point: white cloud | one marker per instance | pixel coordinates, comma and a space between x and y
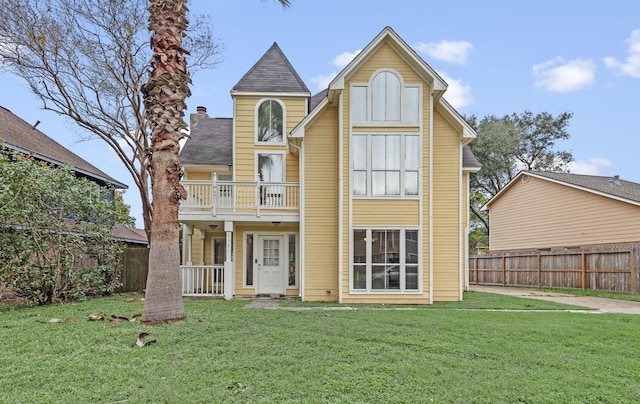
458, 94
560, 76
594, 166
345, 57
447, 51
631, 66
322, 80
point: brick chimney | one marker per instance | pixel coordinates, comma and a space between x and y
201, 112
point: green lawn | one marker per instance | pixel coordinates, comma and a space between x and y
226, 353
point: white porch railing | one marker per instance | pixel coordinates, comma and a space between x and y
236, 196
202, 280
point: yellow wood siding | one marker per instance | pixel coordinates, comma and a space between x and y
446, 210
543, 214
321, 209
385, 57
394, 212
245, 146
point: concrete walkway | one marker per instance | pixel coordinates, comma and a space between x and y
601, 304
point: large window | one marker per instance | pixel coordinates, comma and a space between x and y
386, 99
385, 164
385, 260
270, 122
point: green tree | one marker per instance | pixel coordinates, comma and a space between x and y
507, 145
87, 61
55, 232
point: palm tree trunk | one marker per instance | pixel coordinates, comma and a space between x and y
164, 100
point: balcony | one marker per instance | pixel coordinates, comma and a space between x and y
236, 198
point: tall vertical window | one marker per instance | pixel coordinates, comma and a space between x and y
248, 250
270, 122
385, 164
385, 97
292, 260
385, 260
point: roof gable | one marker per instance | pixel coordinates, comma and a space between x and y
271, 74
390, 37
23, 137
610, 187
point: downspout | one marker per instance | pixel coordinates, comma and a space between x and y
431, 195
461, 247
340, 196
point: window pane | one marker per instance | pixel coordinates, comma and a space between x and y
378, 277
359, 182
270, 125
378, 89
378, 180
378, 243
359, 246
378, 152
359, 144
359, 103
392, 152
219, 251
392, 97
411, 247
411, 183
270, 167
359, 277
393, 183
249, 260
411, 278
412, 104
292, 260
411, 152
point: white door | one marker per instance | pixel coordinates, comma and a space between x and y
270, 264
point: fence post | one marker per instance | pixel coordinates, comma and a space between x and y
504, 271
539, 270
633, 274
476, 270
583, 260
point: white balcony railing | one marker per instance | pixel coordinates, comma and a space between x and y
236, 196
202, 280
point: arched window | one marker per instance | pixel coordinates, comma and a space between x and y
270, 122
385, 97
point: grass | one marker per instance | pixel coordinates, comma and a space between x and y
226, 353
596, 293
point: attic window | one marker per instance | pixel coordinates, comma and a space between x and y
270, 118
385, 97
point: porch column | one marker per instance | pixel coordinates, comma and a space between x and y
187, 244
228, 262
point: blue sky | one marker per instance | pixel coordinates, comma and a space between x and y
498, 57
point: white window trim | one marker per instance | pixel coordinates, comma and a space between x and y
402, 170
369, 290
256, 121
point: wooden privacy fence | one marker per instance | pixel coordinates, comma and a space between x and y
614, 269
134, 265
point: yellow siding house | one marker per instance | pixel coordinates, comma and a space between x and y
357, 194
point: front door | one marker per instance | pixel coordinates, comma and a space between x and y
270, 265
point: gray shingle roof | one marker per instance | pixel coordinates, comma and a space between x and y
210, 142
607, 185
21, 136
272, 74
468, 159
317, 98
